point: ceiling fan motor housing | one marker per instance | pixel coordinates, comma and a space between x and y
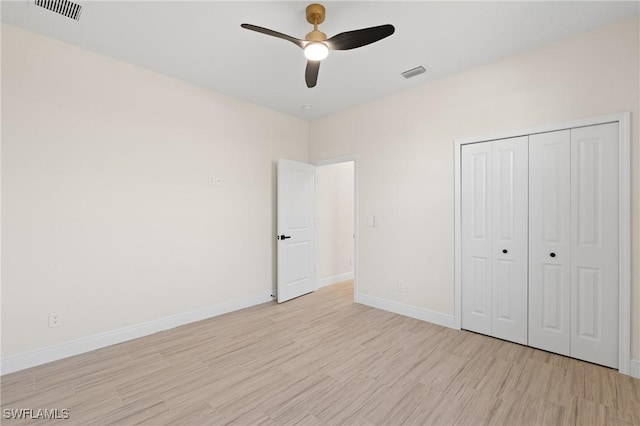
315, 35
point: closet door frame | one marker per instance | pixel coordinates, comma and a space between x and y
624, 200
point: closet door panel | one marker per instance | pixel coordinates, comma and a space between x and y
476, 237
594, 249
549, 241
510, 217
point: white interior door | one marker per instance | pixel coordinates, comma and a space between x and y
594, 248
549, 241
476, 193
509, 252
296, 229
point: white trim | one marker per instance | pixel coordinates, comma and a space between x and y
408, 310
24, 360
624, 250
624, 343
323, 282
457, 236
634, 368
602, 119
345, 159
335, 160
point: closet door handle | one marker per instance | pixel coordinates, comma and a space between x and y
505, 251
552, 254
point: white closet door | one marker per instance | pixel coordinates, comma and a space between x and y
476, 237
594, 248
549, 241
510, 216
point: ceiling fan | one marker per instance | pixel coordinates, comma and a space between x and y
316, 46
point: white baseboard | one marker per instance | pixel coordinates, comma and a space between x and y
634, 368
86, 344
407, 310
323, 282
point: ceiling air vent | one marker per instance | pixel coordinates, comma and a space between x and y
63, 7
414, 71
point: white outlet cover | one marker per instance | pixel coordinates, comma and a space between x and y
370, 221
54, 320
219, 181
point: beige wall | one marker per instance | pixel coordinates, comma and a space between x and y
335, 220
107, 215
404, 145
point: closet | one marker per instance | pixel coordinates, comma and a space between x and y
539, 235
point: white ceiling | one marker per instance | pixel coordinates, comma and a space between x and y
202, 42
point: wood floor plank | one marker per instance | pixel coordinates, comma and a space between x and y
345, 400
258, 392
322, 360
517, 408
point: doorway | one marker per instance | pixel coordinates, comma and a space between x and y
336, 222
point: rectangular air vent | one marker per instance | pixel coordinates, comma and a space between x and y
63, 7
414, 71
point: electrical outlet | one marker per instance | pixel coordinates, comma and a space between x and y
215, 180
54, 319
401, 287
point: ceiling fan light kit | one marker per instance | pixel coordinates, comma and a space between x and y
316, 51
316, 46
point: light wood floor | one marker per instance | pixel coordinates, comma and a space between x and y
320, 359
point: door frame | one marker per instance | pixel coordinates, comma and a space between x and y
336, 160
624, 199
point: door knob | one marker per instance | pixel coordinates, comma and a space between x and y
505, 251
552, 254
284, 237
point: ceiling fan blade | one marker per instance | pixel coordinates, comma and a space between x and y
311, 73
358, 38
297, 42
